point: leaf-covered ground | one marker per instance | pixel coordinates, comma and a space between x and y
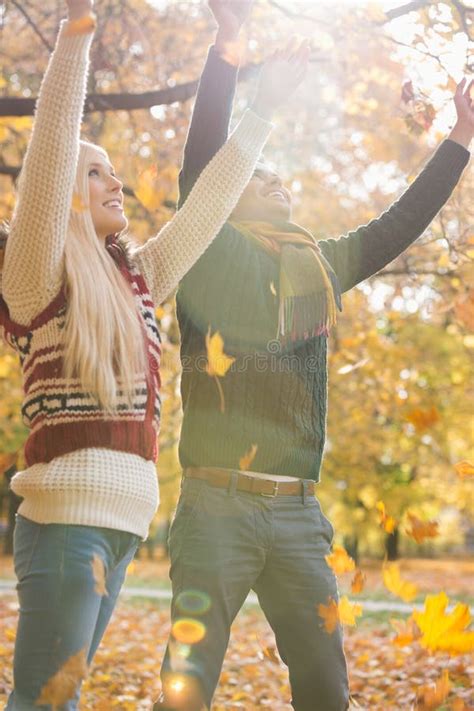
125, 675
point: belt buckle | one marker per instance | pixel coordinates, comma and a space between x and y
274, 492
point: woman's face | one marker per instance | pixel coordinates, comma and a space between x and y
105, 197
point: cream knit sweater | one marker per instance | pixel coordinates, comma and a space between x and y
96, 486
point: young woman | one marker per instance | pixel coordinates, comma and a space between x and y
78, 306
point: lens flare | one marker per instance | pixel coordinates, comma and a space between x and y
188, 631
193, 602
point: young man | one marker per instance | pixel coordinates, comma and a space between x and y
253, 522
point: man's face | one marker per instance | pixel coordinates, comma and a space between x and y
264, 199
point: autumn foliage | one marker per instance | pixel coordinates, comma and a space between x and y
399, 466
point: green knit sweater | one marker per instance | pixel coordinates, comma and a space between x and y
275, 397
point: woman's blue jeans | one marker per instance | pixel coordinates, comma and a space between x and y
61, 612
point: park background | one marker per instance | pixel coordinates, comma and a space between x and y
375, 103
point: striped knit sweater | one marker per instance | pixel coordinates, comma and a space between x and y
85, 467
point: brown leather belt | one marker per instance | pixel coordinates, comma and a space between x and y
215, 476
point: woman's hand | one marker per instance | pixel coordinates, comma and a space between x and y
281, 74
79, 8
464, 128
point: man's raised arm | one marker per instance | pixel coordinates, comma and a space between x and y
213, 106
369, 248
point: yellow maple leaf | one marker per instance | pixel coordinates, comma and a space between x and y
348, 611
421, 529
148, 190
464, 469
218, 363
330, 615
387, 522
393, 582
62, 687
344, 612
441, 631
339, 560
357, 582
431, 697
247, 459
98, 571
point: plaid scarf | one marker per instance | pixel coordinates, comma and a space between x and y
309, 288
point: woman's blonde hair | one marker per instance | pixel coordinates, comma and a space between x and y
104, 342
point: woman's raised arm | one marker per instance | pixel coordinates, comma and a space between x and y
34, 260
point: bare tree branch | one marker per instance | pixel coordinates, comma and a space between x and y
405, 9
19, 106
34, 27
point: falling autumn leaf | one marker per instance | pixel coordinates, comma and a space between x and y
148, 189
423, 419
62, 687
464, 469
393, 582
340, 561
218, 363
348, 611
247, 459
330, 615
98, 571
441, 631
270, 652
407, 92
358, 582
387, 522
344, 612
407, 631
420, 530
431, 697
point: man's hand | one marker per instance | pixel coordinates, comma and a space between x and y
464, 128
281, 74
230, 15
79, 8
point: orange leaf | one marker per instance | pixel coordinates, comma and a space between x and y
464, 469
423, 419
344, 612
407, 631
421, 529
339, 560
393, 582
430, 698
63, 685
358, 582
387, 522
330, 615
247, 459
